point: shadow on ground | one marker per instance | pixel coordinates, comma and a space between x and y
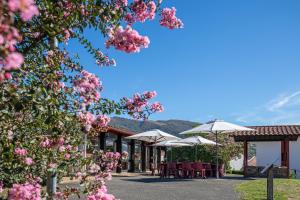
156, 180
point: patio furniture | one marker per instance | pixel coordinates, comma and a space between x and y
199, 169
208, 169
172, 170
187, 170
163, 170
221, 170
216, 127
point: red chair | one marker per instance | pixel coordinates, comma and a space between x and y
172, 170
162, 170
208, 169
187, 170
199, 169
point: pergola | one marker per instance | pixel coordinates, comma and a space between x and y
283, 134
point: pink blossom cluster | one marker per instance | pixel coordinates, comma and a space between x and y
27, 8
103, 60
89, 120
46, 143
88, 86
22, 153
157, 107
100, 194
169, 20
86, 119
67, 34
127, 40
9, 35
139, 106
120, 3
1, 186
112, 155
141, 11
10, 60
26, 191
101, 121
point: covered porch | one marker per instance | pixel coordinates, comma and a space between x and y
277, 145
141, 155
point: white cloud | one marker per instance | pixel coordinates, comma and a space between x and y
284, 101
284, 109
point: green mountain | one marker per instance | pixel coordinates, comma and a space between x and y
169, 126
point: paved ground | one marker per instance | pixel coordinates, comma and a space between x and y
149, 188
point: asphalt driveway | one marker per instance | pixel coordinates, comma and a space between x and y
149, 188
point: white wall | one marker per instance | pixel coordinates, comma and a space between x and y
237, 163
295, 156
268, 152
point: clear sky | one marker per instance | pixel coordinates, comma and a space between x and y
233, 60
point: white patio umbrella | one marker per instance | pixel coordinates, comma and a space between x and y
197, 140
216, 127
194, 140
171, 143
153, 136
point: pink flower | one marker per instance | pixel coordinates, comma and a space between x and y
169, 20
69, 147
143, 11
127, 40
7, 75
101, 121
61, 149
94, 168
20, 151
67, 156
100, 194
1, 186
87, 119
26, 191
88, 86
52, 165
157, 107
61, 140
78, 175
129, 19
46, 143
149, 94
27, 8
13, 61
67, 34
28, 161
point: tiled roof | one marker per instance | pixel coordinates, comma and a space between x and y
281, 130
120, 131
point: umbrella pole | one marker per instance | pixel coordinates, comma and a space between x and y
196, 151
217, 163
171, 154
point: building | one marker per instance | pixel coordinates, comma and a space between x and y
279, 145
140, 154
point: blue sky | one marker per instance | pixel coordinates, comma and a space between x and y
233, 60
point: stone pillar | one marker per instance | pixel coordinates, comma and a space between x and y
143, 156
132, 156
245, 156
102, 141
119, 149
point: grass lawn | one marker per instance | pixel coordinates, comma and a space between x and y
284, 189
